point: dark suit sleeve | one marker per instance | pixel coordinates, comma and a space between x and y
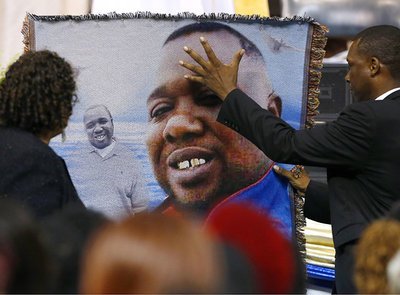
316, 206
345, 141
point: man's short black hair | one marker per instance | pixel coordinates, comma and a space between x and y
382, 42
246, 44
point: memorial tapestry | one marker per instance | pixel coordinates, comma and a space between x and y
161, 129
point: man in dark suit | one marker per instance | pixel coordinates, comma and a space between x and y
360, 149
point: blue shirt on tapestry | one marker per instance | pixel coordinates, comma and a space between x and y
269, 195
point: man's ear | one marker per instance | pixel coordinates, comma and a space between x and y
275, 104
374, 66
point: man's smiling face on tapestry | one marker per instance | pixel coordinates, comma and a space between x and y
196, 159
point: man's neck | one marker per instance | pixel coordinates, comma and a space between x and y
384, 86
104, 152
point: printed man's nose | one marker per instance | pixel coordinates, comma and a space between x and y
98, 128
181, 127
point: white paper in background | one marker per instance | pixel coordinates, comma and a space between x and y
12, 14
164, 6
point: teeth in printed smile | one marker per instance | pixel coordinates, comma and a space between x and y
99, 137
190, 164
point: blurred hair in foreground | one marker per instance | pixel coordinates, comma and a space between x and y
276, 263
151, 253
378, 244
66, 232
23, 259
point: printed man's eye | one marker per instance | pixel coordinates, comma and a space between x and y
160, 110
89, 126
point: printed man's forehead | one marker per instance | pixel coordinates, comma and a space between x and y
253, 77
96, 113
224, 44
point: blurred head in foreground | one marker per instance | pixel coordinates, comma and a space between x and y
276, 263
150, 253
378, 244
23, 259
66, 233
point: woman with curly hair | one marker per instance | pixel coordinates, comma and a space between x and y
36, 100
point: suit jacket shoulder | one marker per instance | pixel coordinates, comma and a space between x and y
341, 142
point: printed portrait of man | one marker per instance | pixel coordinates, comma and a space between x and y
198, 162
190, 161
106, 173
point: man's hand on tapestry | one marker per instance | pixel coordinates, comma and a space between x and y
298, 178
219, 77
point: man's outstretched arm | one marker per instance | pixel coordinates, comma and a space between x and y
343, 142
